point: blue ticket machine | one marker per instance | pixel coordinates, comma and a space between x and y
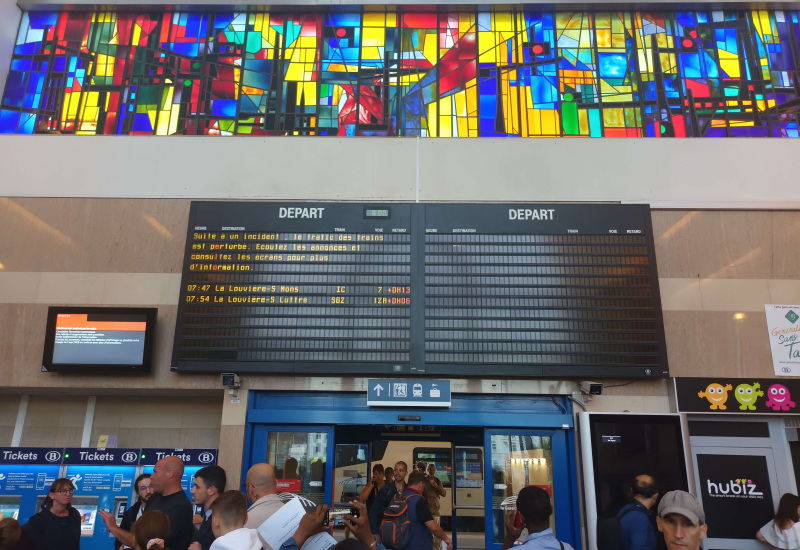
193, 460
103, 480
26, 474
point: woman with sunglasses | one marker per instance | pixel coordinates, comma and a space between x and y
58, 525
144, 492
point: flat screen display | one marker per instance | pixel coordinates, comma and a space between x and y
103, 340
438, 289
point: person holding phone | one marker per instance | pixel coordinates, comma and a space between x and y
533, 512
375, 484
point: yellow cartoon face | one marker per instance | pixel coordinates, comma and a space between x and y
717, 394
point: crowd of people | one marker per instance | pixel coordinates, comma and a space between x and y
163, 517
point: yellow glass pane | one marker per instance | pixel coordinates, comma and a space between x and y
614, 117
583, 122
503, 21
373, 36
603, 38
432, 110
374, 19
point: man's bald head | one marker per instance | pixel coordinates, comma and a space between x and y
173, 464
261, 481
167, 474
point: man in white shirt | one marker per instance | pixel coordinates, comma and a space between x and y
261, 487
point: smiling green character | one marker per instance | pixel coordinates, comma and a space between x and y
747, 396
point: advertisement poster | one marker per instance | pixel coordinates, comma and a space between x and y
784, 338
753, 396
736, 494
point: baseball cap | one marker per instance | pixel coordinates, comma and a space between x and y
683, 503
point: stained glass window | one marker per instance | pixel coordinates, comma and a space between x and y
385, 71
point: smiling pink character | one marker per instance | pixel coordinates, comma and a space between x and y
779, 398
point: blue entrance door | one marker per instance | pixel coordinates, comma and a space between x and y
526, 440
517, 458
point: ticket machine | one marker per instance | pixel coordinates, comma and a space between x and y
103, 480
26, 474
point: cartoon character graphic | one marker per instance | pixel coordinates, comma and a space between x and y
747, 396
717, 395
779, 398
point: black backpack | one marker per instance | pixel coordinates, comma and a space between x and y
395, 531
608, 531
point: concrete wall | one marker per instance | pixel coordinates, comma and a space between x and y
679, 173
712, 264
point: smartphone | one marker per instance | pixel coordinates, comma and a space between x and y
517, 520
40, 481
117, 482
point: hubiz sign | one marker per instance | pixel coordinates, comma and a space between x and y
735, 488
736, 494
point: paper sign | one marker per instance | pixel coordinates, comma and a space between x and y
784, 338
281, 525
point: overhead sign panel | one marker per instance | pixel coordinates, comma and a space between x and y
408, 393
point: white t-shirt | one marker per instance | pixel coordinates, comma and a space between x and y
786, 539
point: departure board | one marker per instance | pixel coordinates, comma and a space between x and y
442, 289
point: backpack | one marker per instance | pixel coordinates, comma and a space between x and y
608, 531
395, 530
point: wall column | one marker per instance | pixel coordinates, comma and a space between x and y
231, 437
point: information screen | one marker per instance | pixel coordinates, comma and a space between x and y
102, 339
441, 289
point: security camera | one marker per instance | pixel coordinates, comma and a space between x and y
230, 380
592, 388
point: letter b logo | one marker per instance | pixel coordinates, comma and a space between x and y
52, 456
205, 458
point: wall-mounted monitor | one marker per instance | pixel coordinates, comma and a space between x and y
99, 339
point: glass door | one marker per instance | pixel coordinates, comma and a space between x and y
520, 458
301, 456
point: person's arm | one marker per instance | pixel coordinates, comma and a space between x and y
365, 493
438, 487
125, 525
310, 525
512, 533
359, 526
437, 531
760, 537
125, 537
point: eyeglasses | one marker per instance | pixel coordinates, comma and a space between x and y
66, 491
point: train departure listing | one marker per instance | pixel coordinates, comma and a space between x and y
459, 289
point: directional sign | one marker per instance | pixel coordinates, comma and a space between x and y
408, 393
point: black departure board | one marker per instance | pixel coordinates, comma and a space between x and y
442, 289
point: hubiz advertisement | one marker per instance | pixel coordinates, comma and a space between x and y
25, 476
736, 494
103, 480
